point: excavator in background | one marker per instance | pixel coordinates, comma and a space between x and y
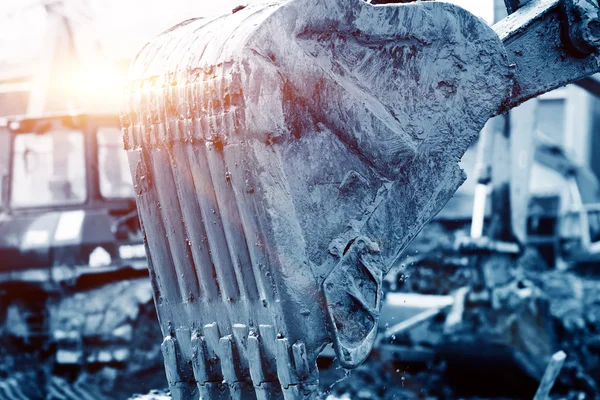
82, 219
74, 285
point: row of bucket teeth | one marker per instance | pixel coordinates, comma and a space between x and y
247, 364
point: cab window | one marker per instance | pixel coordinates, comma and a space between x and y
48, 169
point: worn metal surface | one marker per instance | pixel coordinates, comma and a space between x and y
284, 156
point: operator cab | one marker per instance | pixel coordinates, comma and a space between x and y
67, 206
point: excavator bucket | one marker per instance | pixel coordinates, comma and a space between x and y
284, 156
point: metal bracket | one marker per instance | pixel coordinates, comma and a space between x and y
581, 26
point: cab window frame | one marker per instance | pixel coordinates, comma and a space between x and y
10, 197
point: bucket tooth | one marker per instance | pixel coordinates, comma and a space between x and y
211, 335
285, 371
240, 335
239, 387
199, 359
300, 360
255, 362
184, 343
208, 379
268, 391
296, 382
179, 382
228, 363
268, 342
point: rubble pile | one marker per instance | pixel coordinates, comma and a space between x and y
103, 342
120, 338
535, 312
575, 306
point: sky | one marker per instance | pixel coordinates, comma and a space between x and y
481, 8
121, 27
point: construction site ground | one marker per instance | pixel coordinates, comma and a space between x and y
121, 339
